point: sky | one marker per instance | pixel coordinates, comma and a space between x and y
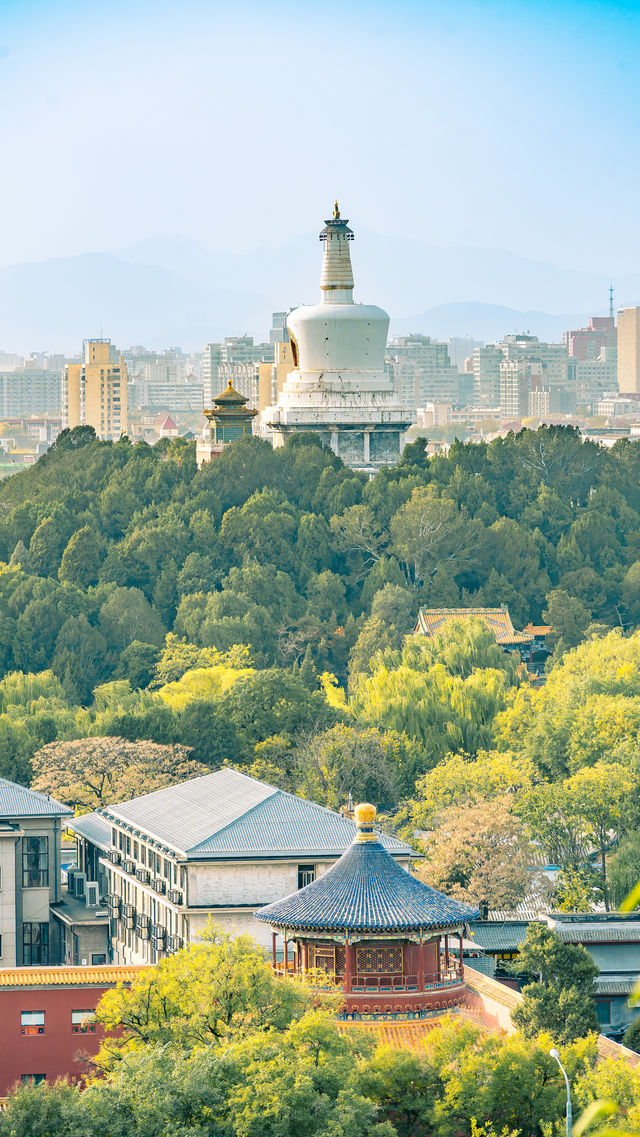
497, 125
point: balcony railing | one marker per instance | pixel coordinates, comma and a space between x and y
174, 896
159, 884
371, 984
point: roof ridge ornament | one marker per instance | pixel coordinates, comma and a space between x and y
336, 211
365, 815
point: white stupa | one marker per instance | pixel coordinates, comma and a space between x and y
339, 388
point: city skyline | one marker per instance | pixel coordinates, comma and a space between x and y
490, 126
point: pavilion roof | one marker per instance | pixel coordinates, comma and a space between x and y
431, 621
366, 891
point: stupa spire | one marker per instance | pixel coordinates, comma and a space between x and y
336, 280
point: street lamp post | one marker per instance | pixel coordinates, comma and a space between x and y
554, 1054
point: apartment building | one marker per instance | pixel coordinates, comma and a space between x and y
94, 392
30, 875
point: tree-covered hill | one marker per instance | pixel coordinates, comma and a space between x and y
111, 546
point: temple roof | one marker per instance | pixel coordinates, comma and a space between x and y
230, 397
431, 621
366, 890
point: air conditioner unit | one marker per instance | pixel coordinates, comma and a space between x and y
79, 883
70, 875
92, 894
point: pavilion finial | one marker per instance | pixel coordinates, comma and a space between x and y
365, 816
336, 211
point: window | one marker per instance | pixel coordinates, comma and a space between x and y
81, 1022
306, 875
32, 1022
167, 870
35, 862
97, 958
135, 850
32, 1079
35, 944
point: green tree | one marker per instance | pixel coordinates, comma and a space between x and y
207, 993
127, 616
82, 558
562, 1001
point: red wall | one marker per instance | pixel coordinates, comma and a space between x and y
54, 1053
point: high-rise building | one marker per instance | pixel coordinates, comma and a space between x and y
30, 392
236, 359
272, 376
589, 343
94, 392
629, 351
422, 371
515, 384
461, 348
486, 375
339, 388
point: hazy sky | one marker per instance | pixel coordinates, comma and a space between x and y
492, 124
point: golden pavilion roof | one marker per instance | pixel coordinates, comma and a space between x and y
432, 621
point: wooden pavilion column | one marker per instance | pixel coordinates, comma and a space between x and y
421, 965
286, 954
305, 957
438, 963
273, 948
461, 959
446, 951
348, 966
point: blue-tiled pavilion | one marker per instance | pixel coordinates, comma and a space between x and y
384, 935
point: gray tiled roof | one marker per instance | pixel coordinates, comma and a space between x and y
615, 984
94, 828
228, 814
366, 890
18, 801
605, 933
498, 937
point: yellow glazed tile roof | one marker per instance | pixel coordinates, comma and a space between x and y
431, 622
68, 976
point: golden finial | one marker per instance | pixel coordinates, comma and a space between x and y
365, 816
336, 211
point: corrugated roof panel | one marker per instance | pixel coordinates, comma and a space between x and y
18, 801
187, 814
93, 828
285, 824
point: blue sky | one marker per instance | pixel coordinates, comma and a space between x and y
488, 124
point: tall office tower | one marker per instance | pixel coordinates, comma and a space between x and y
629, 351
591, 342
338, 387
94, 392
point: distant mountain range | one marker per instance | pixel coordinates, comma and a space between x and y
170, 291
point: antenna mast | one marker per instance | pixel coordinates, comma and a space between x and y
611, 301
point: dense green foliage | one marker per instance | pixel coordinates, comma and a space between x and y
209, 1044
256, 612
